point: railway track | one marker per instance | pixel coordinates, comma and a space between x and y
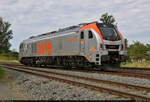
124, 72
135, 68
122, 68
66, 78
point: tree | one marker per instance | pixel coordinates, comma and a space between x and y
109, 19
126, 43
148, 46
5, 36
148, 52
137, 51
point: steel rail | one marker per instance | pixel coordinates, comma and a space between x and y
115, 92
91, 79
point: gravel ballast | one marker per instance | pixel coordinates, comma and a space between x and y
100, 84
121, 79
38, 88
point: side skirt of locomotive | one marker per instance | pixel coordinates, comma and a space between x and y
113, 60
65, 61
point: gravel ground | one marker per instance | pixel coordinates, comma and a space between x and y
38, 88
128, 90
123, 89
128, 80
6, 92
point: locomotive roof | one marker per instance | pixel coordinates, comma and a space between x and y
73, 28
60, 31
54, 33
69, 29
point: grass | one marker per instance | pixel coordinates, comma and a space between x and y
8, 57
5, 78
137, 64
1, 97
2, 72
8, 60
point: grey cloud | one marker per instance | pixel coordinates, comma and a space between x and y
35, 17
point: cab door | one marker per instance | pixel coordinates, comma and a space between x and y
88, 41
91, 41
82, 41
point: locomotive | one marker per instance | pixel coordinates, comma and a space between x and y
88, 44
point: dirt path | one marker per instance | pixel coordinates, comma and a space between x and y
6, 90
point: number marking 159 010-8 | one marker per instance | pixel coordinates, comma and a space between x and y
44, 48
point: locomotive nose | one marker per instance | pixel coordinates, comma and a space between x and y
112, 45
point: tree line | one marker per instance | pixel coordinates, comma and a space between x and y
6, 34
138, 51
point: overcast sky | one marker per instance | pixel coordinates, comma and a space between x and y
32, 17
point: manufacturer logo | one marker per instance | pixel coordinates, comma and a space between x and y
112, 43
44, 48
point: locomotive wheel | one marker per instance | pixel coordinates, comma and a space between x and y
67, 66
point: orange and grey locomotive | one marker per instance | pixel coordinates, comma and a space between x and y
87, 44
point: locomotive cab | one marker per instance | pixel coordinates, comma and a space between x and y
102, 44
113, 44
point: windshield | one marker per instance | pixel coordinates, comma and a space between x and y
109, 34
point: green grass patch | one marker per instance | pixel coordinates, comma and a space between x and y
2, 72
137, 64
9, 57
9, 60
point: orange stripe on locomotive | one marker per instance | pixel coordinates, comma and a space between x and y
95, 28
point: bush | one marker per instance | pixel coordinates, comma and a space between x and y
10, 55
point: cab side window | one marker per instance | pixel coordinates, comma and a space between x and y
90, 35
82, 35
20, 46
